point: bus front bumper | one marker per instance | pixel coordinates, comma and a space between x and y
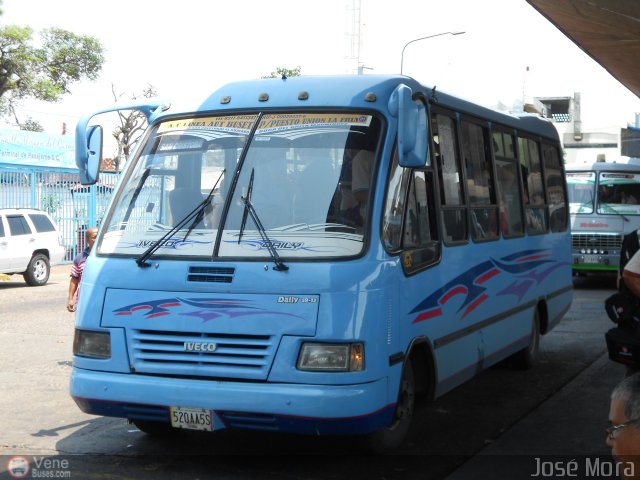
293, 408
595, 263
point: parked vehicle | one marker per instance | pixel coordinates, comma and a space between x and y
30, 244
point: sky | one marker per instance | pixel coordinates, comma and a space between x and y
189, 48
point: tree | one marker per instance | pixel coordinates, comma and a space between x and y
31, 125
282, 72
132, 125
44, 72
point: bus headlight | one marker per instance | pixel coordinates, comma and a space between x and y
88, 343
332, 357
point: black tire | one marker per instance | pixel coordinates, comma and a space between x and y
37, 273
155, 429
526, 358
391, 437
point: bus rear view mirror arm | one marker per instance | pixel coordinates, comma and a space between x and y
89, 138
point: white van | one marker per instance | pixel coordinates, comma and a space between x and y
29, 244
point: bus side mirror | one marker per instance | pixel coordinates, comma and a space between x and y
88, 159
412, 127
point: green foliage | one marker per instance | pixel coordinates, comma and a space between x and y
51, 203
46, 71
69, 58
285, 72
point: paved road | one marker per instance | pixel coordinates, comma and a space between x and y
558, 408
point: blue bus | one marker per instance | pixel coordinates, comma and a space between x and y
310, 254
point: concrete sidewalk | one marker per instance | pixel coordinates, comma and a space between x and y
570, 426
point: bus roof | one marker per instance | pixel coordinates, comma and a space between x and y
338, 91
632, 165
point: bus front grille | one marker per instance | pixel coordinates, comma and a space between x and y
210, 274
201, 354
596, 240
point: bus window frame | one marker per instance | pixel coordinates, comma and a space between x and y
563, 183
488, 153
403, 181
430, 253
497, 128
462, 207
528, 206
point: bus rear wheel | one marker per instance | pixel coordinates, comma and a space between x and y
392, 436
526, 358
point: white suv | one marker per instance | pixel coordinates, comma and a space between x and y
29, 244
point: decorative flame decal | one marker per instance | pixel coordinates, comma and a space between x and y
528, 268
203, 308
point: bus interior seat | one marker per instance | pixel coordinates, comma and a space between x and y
182, 201
314, 193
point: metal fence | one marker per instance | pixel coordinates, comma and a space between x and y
73, 206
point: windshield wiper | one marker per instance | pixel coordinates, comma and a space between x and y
614, 211
136, 193
207, 201
247, 201
194, 216
249, 210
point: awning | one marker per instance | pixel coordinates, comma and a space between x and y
607, 30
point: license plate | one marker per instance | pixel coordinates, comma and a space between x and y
192, 418
591, 259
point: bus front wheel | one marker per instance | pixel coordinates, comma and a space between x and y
392, 436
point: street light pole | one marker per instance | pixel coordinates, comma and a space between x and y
362, 68
423, 38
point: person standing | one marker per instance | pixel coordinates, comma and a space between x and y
631, 271
623, 436
630, 284
630, 246
78, 267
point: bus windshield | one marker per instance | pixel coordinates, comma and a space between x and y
581, 188
619, 193
307, 177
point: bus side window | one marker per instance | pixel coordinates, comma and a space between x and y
394, 207
453, 209
480, 186
420, 244
511, 223
533, 194
554, 183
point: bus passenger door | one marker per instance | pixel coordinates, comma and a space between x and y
456, 350
427, 285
